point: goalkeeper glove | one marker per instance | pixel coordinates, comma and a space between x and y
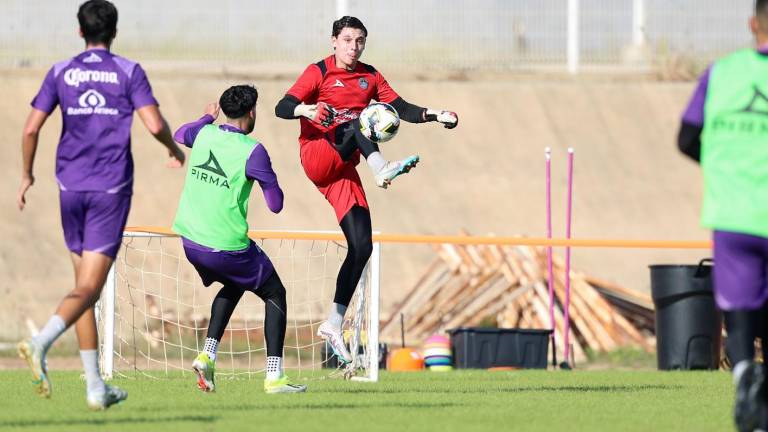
449, 119
322, 113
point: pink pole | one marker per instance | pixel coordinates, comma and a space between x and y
567, 317
548, 159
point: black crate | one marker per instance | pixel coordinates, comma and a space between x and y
482, 348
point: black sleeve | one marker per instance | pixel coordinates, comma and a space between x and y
689, 140
408, 112
285, 108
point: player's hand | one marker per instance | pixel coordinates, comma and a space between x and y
176, 158
324, 114
212, 109
449, 119
26, 182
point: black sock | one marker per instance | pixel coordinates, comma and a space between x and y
742, 327
221, 311
356, 225
348, 138
272, 292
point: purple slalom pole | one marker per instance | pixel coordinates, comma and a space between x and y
567, 318
548, 162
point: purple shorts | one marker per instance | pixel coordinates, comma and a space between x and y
94, 221
741, 262
246, 269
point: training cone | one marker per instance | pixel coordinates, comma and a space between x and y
404, 360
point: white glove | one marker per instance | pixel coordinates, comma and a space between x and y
322, 113
449, 119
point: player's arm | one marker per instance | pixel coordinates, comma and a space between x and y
158, 127
187, 133
410, 112
692, 123
259, 168
29, 141
145, 104
43, 104
291, 106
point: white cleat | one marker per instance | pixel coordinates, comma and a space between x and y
283, 385
205, 369
334, 338
35, 357
393, 169
112, 395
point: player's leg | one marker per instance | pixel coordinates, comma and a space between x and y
349, 139
356, 225
272, 292
740, 282
91, 272
221, 311
106, 215
74, 213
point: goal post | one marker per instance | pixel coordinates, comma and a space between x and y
153, 311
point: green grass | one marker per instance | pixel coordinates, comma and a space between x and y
457, 401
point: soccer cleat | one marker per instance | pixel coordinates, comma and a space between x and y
205, 368
334, 338
283, 385
35, 357
393, 169
112, 395
751, 398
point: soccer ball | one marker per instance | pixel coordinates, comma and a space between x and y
379, 122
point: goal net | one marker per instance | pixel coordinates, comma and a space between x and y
154, 310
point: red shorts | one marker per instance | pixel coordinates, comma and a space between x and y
337, 180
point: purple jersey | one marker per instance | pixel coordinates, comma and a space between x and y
98, 92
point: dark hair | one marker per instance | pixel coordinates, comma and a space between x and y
348, 21
98, 21
761, 7
238, 100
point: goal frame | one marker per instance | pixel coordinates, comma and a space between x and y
106, 305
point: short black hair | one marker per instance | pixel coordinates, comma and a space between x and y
238, 100
348, 21
761, 7
98, 21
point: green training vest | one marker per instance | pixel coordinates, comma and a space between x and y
213, 209
734, 145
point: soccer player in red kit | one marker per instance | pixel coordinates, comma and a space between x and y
328, 98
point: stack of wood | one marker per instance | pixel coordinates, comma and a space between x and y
506, 286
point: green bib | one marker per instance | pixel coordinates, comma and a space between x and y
734, 145
213, 209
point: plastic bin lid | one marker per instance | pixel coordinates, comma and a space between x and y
498, 330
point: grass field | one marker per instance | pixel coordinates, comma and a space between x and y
457, 401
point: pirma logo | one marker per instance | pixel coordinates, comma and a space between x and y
92, 58
214, 168
752, 119
91, 102
758, 104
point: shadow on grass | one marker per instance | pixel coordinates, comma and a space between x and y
519, 389
332, 405
105, 421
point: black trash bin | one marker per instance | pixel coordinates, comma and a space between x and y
481, 348
688, 325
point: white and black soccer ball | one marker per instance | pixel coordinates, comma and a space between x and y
379, 122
